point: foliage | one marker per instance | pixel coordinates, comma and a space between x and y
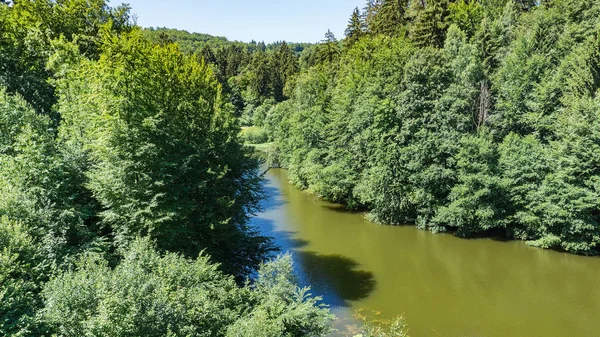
22, 272
29, 26
385, 17
150, 294
41, 182
193, 43
255, 135
166, 165
475, 117
356, 28
106, 137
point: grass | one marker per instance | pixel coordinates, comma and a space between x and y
261, 147
254, 135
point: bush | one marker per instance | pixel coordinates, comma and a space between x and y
21, 274
149, 294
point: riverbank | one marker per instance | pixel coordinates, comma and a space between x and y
444, 285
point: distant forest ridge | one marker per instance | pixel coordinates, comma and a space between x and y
193, 43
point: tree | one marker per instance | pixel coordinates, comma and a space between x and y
208, 55
28, 27
478, 202
329, 49
22, 273
386, 17
355, 29
41, 182
164, 39
261, 46
429, 23
165, 160
284, 65
467, 15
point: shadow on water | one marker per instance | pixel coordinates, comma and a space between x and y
338, 208
272, 199
336, 278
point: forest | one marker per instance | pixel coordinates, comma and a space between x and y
125, 191
126, 187
479, 118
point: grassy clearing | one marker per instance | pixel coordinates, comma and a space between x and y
254, 135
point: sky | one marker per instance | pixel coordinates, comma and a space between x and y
246, 20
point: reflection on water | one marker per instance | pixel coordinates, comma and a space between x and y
444, 285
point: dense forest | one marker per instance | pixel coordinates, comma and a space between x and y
193, 43
481, 118
253, 74
125, 191
126, 187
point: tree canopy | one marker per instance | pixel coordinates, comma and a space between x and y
125, 191
475, 117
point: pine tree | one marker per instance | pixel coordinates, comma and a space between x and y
329, 37
260, 75
369, 11
356, 28
208, 55
429, 22
386, 17
284, 66
329, 49
262, 47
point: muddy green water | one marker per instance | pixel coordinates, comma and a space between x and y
445, 286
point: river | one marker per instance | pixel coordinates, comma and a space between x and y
443, 285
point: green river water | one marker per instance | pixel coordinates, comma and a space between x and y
444, 286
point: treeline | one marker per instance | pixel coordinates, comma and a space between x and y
125, 192
480, 118
253, 74
193, 43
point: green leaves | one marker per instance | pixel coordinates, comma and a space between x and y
150, 294
164, 157
27, 31
482, 124
478, 202
21, 272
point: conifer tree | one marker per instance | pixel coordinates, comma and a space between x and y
208, 55
164, 39
262, 47
429, 22
288, 66
356, 28
386, 17
329, 49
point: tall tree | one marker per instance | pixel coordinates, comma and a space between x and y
329, 49
429, 22
166, 161
355, 29
285, 65
27, 29
208, 55
386, 17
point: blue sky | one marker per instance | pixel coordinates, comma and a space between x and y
244, 20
